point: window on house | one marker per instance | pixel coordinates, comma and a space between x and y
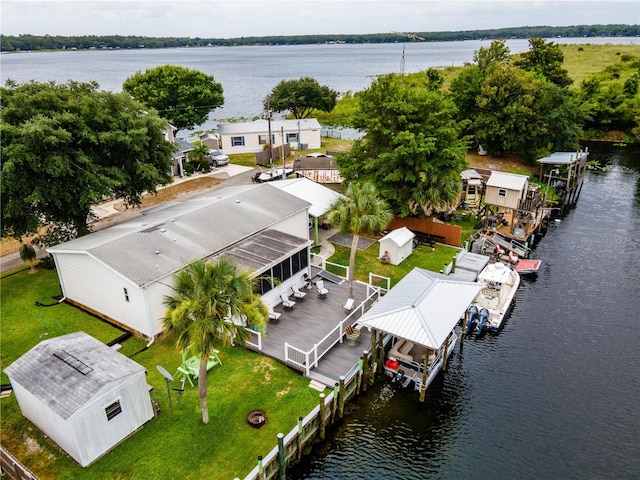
292, 138
502, 193
471, 189
126, 294
237, 141
113, 410
262, 139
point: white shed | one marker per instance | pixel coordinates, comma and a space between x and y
396, 245
82, 394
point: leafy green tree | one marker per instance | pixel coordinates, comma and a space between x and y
545, 58
411, 150
301, 97
464, 89
359, 212
204, 298
510, 118
65, 147
487, 57
185, 97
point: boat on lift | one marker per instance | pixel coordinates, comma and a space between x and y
491, 305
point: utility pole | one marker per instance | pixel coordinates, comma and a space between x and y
269, 142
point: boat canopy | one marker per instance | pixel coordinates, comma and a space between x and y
423, 307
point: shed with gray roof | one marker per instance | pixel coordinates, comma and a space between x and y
123, 272
85, 396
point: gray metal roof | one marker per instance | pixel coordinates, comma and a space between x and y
60, 383
262, 250
262, 126
469, 265
470, 174
423, 307
321, 198
563, 158
165, 239
510, 181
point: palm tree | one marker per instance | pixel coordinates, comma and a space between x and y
359, 212
28, 256
205, 298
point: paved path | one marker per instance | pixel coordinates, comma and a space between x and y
107, 215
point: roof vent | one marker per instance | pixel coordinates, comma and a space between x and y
157, 252
162, 230
237, 201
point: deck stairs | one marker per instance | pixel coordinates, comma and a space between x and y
331, 277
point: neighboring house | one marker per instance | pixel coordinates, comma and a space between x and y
320, 168
506, 189
122, 273
82, 394
247, 137
180, 153
512, 206
210, 140
396, 245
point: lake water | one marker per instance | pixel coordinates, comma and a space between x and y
248, 74
555, 395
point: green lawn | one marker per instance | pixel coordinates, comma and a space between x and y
176, 444
367, 261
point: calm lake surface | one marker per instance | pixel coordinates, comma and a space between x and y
248, 74
555, 395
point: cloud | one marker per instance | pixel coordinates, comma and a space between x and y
236, 18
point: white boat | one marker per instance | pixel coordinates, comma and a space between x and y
274, 174
489, 308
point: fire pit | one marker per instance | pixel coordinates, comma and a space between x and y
257, 418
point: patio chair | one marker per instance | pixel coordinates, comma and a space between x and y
297, 293
286, 303
349, 304
322, 290
353, 336
274, 317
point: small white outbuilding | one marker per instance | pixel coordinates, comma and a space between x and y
396, 245
82, 394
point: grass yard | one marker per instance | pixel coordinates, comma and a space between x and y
367, 261
176, 444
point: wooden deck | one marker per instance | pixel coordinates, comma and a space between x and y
309, 322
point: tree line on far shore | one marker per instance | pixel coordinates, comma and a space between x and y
26, 42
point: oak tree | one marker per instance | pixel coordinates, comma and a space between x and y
183, 96
301, 97
65, 147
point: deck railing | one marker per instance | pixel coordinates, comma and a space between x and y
255, 338
306, 360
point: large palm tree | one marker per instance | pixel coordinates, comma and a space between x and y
359, 212
205, 297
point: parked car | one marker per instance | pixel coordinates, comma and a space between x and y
217, 158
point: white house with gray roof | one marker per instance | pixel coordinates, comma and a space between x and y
123, 273
82, 394
246, 137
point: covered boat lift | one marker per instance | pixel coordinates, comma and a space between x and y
420, 313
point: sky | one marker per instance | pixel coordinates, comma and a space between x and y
237, 18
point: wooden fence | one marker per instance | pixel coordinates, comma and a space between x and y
451, 234
12, 468
263, 159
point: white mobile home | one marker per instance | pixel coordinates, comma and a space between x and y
123, 273
82, 394
246, 137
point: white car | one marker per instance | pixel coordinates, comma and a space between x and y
217, 158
